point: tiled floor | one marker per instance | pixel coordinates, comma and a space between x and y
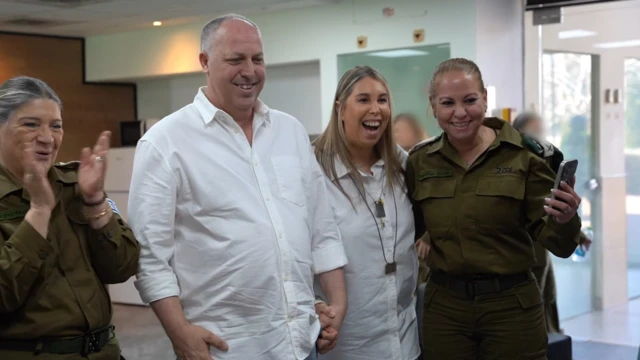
612, 334
619, 325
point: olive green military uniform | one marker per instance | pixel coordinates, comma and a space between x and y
482, 301
543, 272
423, 269
53, 288
543, 268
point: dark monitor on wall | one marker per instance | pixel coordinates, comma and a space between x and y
130, 132
543, 4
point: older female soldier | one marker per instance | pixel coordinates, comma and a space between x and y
483, 197
61, 239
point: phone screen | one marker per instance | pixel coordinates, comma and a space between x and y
566, 172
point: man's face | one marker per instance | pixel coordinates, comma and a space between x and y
235, 66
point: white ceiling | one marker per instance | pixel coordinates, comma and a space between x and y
93, 17
599, 23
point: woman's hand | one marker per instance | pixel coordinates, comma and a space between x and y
93, 168
423, 249
566, 203
36, 182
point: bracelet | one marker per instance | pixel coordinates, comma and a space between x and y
88, 204
101, 214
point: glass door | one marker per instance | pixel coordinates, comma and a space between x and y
567, 92
632, 168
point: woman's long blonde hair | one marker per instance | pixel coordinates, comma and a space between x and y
333, 142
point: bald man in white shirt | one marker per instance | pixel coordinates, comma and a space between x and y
231, 211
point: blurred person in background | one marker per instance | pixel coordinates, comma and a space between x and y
407, 130
531, 124
62, 240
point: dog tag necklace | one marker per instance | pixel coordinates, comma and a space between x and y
389, 267
378, 205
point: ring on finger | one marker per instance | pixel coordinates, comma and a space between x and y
99, 159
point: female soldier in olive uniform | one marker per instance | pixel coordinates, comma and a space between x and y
482, 196
61, 239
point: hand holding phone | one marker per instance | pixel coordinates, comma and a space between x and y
566, 173
564, 202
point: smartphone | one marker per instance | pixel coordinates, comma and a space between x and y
566, 172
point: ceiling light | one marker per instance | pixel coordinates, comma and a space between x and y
157, 23
398, 53
618, 44
577, 33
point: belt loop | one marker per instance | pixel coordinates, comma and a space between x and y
38, 349
496, 281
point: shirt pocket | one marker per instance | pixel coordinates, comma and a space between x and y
500, 201
288, 173
436, 198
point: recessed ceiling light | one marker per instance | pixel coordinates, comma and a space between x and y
157, 23
577, 33
618, 44
399, 53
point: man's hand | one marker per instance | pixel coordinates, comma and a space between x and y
330, 321
192, 342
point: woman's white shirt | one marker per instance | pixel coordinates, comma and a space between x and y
381, 320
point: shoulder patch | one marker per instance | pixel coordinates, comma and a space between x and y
424, 143
114, 208
539, 146
545, 150
70, 165
532, 144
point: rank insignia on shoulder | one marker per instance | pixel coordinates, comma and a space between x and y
545, 150
424, 143
539, 146
114, 208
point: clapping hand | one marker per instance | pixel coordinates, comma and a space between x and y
93, 168
35, 180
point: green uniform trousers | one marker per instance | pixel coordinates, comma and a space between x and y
111, 351
505, 325
543, 272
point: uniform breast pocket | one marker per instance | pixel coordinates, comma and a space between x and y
502, 200
288, 173
436, 199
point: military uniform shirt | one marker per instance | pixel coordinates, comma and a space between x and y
481, 220
54, 287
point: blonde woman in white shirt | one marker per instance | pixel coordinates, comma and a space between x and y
363, 169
